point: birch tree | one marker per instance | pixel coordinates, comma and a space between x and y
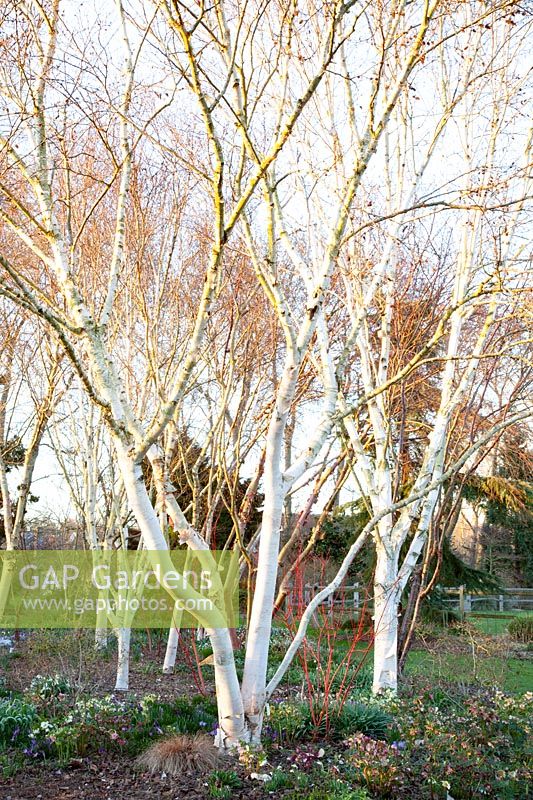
31, 373
487, 273
289, 108
36, 216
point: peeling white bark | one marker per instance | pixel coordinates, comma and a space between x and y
386, 600
122, 683
171, 650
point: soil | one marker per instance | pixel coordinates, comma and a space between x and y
111, 778
74, 658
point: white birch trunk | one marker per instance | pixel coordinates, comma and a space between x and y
172, 649
123, 660
232, 725
386, 601
257, 645
100, 638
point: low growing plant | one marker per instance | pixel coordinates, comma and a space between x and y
375, 764
521, 628
288, 723
50, 686
284, 779
292, 722
222, 783
11, 763
16, 718
118, 724
355, 717
333, 789
466, 742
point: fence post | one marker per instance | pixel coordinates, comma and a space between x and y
500, 602
462, 601
356, 596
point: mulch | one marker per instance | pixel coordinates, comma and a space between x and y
112, 778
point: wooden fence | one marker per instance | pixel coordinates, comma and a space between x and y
513, 599
349, 597
353, 596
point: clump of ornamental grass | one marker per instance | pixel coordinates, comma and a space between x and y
180, 754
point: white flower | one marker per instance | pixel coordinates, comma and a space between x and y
260, 776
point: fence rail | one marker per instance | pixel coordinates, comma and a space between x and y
512, 599
351, 596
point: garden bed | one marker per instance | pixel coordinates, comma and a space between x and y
66, 738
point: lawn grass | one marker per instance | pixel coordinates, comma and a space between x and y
491, 625
511, 674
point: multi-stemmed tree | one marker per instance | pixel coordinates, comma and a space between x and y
288, 132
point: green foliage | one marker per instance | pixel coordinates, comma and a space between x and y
290, 723
333, 789
16, 718
495, 491
282, 779
294, 675
50, 686
113, 724
368, 719
508, 500
521, 628
463, 741
340, 531
11, 763
362, 682
222, 783
192, 716
519, 522
455, 572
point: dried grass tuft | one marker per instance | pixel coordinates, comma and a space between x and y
180, 754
